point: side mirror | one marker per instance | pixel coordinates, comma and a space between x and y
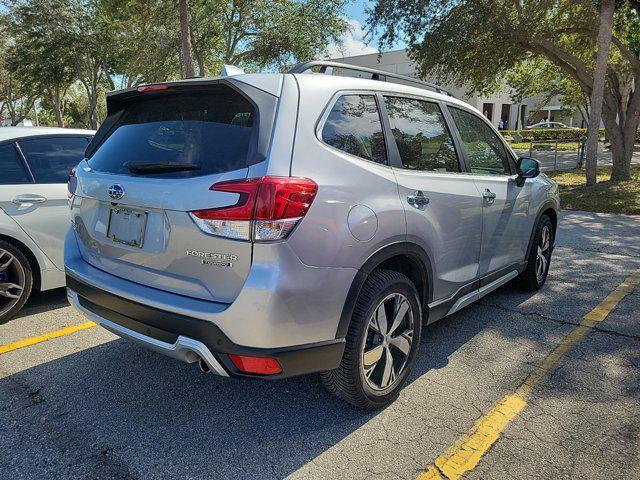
527, 168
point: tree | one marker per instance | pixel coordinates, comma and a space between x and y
537, 77
16, 97
478, 42
264, 33
145, 45
206, 35
185, 37
597, 94
95, 52
43, 54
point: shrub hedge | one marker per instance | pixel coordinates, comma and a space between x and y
551, 134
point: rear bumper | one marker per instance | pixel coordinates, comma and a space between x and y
181, 348
189, 339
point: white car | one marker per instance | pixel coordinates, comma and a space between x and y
34, 215
550, 125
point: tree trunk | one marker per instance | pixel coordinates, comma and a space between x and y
93, 102
597, 94
91, 114
185, 38
621, 128
56, 100
200, 60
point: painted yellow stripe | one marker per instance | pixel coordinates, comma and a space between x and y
27, 342
430, 474
465, 454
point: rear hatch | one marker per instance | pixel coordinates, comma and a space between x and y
153, 161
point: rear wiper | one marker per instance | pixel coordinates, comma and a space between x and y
158, 167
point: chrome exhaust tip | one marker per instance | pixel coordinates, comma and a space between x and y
203, 366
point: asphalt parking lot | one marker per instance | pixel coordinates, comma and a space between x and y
89, 405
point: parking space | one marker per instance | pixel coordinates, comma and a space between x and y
89, 405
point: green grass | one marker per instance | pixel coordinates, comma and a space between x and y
520, 146
604, 196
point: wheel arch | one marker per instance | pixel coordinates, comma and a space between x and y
33, 261
405, 257
548, 209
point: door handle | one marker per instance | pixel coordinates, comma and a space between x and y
418, 200
488, 194
28, 199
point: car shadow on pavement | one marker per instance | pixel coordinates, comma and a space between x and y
118, 411
167, 419
40, 302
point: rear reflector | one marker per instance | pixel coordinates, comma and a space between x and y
268, 208
256, 365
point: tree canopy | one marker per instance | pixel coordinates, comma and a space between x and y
476, 42
57, 48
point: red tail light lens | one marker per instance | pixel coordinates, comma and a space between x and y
72, 182
152, 88
268, 208
256, 365
284, 197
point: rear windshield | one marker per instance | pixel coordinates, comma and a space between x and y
212, 129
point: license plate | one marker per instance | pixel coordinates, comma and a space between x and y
126, 226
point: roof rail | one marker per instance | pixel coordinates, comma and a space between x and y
380, 75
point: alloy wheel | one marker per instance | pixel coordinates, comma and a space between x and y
544, 253
12, 281
388, 342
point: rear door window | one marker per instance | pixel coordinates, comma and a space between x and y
52, 158
211, 130
11, 166
354, 126
422, 136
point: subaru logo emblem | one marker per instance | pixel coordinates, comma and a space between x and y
116, 191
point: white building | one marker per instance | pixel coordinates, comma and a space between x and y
496, 107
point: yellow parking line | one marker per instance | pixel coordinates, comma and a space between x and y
27, 342
465, 454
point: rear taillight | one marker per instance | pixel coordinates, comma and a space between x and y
72, 182
268, 208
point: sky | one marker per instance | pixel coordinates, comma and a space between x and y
354, 42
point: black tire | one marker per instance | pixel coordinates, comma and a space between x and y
19, 271
390, 291
533, 278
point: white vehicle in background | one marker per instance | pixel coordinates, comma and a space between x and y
34, 216
550, 125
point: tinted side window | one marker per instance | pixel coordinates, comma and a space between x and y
422, 136
12, 168
485, 152
354, 126
52, 158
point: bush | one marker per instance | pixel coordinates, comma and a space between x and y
551, 134
548, 134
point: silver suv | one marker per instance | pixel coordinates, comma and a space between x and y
271, 225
